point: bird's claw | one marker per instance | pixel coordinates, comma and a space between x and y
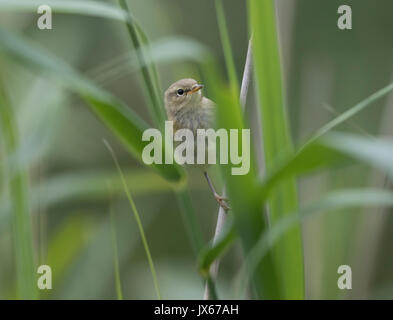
222, 201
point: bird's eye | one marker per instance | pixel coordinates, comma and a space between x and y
180, 92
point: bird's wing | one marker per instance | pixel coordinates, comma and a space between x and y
208, 103
210, 112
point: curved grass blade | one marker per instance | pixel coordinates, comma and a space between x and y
352, 111
138, 221
332, 149
212, 289
312, 157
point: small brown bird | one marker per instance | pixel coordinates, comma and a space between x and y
189, 109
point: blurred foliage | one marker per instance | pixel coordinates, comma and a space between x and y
326, 71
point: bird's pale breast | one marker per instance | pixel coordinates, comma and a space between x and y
195, 117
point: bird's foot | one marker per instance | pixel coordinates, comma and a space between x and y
222, 201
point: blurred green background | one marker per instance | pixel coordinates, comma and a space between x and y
326, 71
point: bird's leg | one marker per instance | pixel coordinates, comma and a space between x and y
221, 200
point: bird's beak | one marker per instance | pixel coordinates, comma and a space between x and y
195, 88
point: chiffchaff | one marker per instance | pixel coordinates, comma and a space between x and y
189, 109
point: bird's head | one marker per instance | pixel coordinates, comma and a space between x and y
183, 93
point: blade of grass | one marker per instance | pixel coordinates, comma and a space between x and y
212, 288
138, 220
313, 157
288, 253
153, 71
150, 77
377, 152
226, 45
352, 111
21, 223
119, 292
341, 199
221, 242
2, 171
331, 149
